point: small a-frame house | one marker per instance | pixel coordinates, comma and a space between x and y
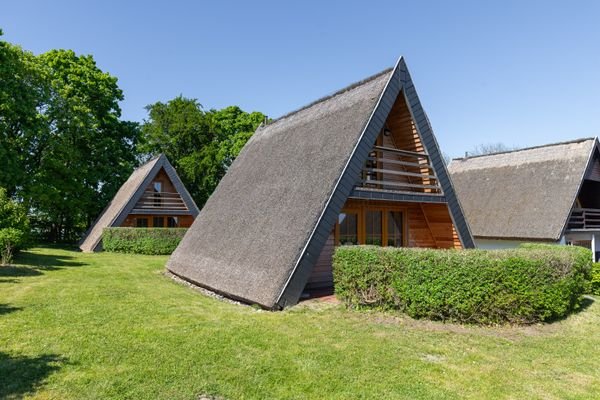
546, 194
360, 166
153, 196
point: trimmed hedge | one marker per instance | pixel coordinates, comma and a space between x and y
531, 284
596, 279
153, 241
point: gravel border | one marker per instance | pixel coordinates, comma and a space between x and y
206, 292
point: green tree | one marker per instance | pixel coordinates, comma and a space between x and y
85, 152
64, 149
201, 144
22, 94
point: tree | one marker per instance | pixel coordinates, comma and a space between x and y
490, 148
22, 93
64, 149
201, 144
85, 151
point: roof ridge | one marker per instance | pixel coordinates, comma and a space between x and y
330, 96
151, 159
527, 148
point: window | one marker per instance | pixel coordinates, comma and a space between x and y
348, 228
172, 222
158, 222
141, 222
373, 227
394, 229
378, 225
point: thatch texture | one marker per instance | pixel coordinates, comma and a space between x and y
522, 194
251, 232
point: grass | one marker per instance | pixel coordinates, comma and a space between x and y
89, 326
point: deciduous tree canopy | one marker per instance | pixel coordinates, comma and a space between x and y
66, 148
201, 144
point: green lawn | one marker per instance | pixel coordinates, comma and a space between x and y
101, 326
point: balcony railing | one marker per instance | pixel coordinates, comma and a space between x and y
161, 201
584, 218
400, 171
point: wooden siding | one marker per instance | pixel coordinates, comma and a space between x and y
427, 225
593, 172
163, 178
399, 161
404, 132
185, 221
440, 232
169, 199
322, 273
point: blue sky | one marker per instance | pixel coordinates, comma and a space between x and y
518, 72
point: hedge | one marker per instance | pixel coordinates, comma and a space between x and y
596, 279
154, 241
525, 285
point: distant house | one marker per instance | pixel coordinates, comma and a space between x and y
153, 196
360, 166
545, 194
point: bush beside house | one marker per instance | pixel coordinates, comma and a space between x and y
152, 241
596, 279
526, 285
14, 227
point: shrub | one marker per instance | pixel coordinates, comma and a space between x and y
596, 279
154, 241
524, 285
11, 240
14, 227
12, 213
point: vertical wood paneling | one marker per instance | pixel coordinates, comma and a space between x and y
594, 170
322, 273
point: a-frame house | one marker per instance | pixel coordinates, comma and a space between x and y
547, 193
359, 166
153, 196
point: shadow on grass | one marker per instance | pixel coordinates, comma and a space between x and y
6, 308
586, 303
20, 375
48, 262
8, 273
33, 264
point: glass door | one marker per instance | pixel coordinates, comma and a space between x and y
395, 229
348, 225
374, 227
377, 226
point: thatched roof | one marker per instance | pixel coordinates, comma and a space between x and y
127, 196
259, 234
522, 194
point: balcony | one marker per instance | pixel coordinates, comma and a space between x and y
584, 219
160, 201
389, 169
